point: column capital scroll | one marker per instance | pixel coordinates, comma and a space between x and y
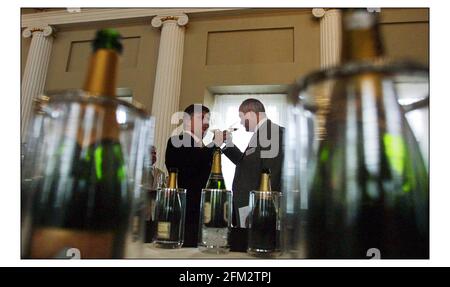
180, 19
318, 12
46, 30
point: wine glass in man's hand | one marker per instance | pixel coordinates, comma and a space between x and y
222, 136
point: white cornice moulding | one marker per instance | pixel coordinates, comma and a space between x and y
107, 14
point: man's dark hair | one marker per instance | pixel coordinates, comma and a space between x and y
252, 105
195, 108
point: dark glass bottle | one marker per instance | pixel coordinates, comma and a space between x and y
82, 200
169, 213
370, 186
263, 234
215, 211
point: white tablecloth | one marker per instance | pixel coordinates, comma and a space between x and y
151, 252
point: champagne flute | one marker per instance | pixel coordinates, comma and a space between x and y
230, 129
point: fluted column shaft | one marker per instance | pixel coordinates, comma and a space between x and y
33, 80
166, 95
330, 36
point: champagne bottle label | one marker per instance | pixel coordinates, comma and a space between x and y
49, 242
163, 230
207, 212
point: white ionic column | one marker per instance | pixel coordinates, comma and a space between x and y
33, 80
330, 36
166, 95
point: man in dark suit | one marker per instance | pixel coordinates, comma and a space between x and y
187, 153
264, 151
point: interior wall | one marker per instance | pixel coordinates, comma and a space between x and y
261, 49
275, 48
137, 66
255, 47
406, 33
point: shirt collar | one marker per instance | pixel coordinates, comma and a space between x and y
261, 122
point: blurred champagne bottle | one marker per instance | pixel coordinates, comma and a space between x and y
370, 186
82, 200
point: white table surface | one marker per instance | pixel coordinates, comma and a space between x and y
151, 252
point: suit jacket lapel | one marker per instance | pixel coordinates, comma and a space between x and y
262, 131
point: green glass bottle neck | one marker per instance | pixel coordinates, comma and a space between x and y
216, 180
217, 163
102, 73
361, 39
